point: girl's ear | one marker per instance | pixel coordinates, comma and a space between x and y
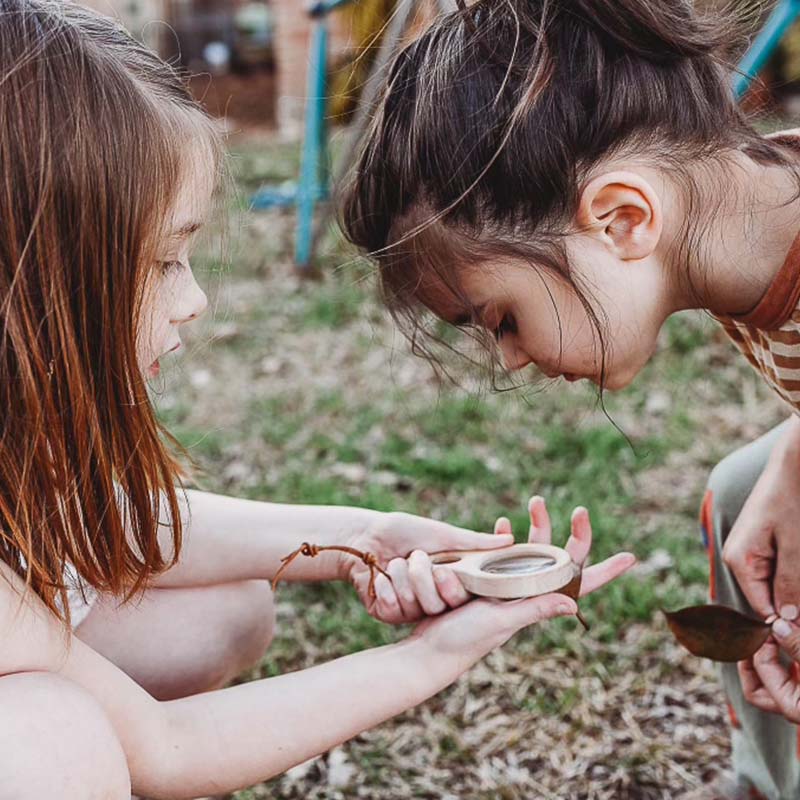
624, 211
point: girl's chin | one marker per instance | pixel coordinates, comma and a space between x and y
621, 380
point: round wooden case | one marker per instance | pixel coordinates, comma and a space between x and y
520, 570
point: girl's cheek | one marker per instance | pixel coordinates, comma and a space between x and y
147, 334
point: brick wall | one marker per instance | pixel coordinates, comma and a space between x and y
293, 37
293, 30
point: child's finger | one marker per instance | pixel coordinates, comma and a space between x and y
421, 576
752, 688
580, 540
451, 590
457, 539
398, 569
408, 532
600, 574
778, 681
540, 529
522, 613
503, 527
787, 634
385, 597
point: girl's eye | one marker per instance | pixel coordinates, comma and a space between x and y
508, 325
170, 266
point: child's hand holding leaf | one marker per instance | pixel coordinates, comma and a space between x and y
767, 682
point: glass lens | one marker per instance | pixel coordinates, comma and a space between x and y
522, 565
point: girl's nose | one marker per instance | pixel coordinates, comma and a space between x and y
513, 357
193, 304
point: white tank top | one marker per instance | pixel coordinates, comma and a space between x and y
80, 596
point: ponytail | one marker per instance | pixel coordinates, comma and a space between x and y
658, 30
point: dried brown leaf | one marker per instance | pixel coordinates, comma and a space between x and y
717, 632
573, 590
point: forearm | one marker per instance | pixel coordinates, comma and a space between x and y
787, 449
239, 736
232, 539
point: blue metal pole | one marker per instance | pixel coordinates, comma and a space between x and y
321, 7
312, 184
309, 189
778, 22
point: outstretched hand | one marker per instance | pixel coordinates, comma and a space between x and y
481, 625
418, 588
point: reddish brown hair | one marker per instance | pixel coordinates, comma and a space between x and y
493, 117
95, 136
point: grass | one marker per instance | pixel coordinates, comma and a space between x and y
310, 397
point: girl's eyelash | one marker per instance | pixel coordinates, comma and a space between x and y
507, 325
169, 266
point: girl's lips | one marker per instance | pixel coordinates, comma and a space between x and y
155, 368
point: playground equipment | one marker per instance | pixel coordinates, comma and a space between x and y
314, 184
766, 43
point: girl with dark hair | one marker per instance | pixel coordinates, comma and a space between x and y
124, 599
559, 178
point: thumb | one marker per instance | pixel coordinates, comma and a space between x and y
521, 613
415, 533
753, 572
786, 586
460, 539
788, 636
758, 594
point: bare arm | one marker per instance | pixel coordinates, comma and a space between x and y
296, 716
231, 539
221, 741
224, 740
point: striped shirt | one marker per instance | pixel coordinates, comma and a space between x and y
769, 335
775, 354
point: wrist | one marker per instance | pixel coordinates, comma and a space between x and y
353, 532
441, 667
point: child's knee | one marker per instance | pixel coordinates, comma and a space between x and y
254, 629
729, 486
733, 479
56, 741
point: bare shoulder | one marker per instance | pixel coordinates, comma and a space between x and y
33, 638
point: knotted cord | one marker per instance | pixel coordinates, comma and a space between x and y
313, 550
